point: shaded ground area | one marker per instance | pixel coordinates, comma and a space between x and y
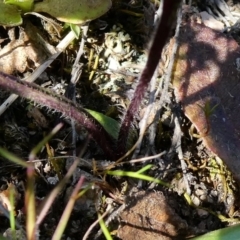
203, 195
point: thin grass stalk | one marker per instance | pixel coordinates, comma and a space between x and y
12, 211
32, 228
104, 228
62, 105
54, 193
13, 158
46, 139
67, 211
86, 235
60, 48
30, 204
138, 175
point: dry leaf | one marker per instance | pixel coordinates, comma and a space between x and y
29, 47
38, 117
207, 73
209, 21
5, 196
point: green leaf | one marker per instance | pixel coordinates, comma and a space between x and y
229, 233
110, 125
104, 228
138, 175
10, 15
72, 11
76, 30
24, 5
13, 158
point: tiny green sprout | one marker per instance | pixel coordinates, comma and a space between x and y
109, 124
104, 228
75, 29
207, 109
139, 175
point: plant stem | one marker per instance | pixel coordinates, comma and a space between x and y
60, 104
169, 14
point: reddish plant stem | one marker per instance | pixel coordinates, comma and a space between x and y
69, 109
169, 15
60, 104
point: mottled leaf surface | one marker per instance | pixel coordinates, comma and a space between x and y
207, 72
71, 11
9, 15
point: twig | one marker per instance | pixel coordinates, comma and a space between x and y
176, 144
168, 16
158, 13
58, 103
143, 124
167, 78
60, 48
145, 158
109, 209
153, 128
59, 187
76, 73
114, 214
67, 211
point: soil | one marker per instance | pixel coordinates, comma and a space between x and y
198, 193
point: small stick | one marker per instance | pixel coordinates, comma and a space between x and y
60, 48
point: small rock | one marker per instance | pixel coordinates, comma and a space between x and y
149, 217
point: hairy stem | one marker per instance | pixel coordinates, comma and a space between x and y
169, 13
60, 104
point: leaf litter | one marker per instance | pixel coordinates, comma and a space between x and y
207, 72
200, 95
27, 49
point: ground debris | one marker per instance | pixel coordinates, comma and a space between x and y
149, 216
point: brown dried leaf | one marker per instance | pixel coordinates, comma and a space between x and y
5, 197
38, 117
207, 72
30, 46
